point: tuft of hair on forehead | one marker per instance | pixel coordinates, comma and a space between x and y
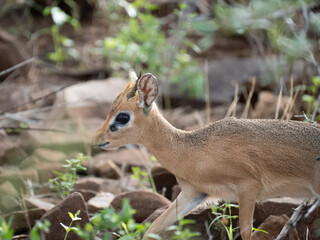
132, 93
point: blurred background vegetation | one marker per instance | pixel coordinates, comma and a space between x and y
172, 39
213, 58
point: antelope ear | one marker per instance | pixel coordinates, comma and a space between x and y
148, 90
132, 75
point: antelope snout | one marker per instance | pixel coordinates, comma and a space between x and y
99, 142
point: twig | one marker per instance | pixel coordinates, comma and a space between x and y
293, 218
207, 91
313, 207
206, 225
17, 129
16, 66
315, 111
305, 117
35, 100
302, 212
233, 106
279, 99
248, 103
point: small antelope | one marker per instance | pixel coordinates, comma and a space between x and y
233, 159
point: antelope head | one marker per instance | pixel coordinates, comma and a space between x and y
128, 114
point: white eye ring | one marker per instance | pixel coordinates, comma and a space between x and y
118, 125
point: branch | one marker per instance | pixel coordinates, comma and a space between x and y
315, 111
18, 129
34, 100
293, 218
302, 212
16, 66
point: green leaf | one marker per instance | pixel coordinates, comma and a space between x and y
316, 80
259, 230
71, 215
46, 11
307, 98
154, 236
64, 226
34, 235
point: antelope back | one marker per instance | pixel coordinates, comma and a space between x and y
128, 114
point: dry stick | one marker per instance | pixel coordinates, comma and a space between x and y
206, 225
314, 114
286, 110
35, 100
207, 91
16, 129
248, 103
307, 213
292, 103
279, 99
293, 218
233, 105
16, 66
297, 217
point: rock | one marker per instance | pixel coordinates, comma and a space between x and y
46, 170
99, 184
100, 201
153, 216
10, 152
19, 218
43, 155
266, 106
11, 48
107, 169
33, 202
279, 206
273, 225
8, 197
59, 214
48, 155
90, 99
176, 190
164, 180
29, 173
130, 157
223, 72
86, 193
75, 138
13, 176
144, 202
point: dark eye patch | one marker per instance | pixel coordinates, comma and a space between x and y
122, 118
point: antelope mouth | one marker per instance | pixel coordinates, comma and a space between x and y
104, 145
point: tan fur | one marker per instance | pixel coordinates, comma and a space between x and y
240, 160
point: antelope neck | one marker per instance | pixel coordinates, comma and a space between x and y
162, 139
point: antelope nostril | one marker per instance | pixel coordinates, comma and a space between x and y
113, 128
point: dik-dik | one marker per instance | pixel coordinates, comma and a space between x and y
232, 159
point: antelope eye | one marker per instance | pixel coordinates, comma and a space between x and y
123, 118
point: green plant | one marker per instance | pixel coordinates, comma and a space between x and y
141, 43
143, 178
273, 27
311, 98
73, 219
224, 218
38, 230
63, 46
180, 230
107, 223
5, 229
64, 182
